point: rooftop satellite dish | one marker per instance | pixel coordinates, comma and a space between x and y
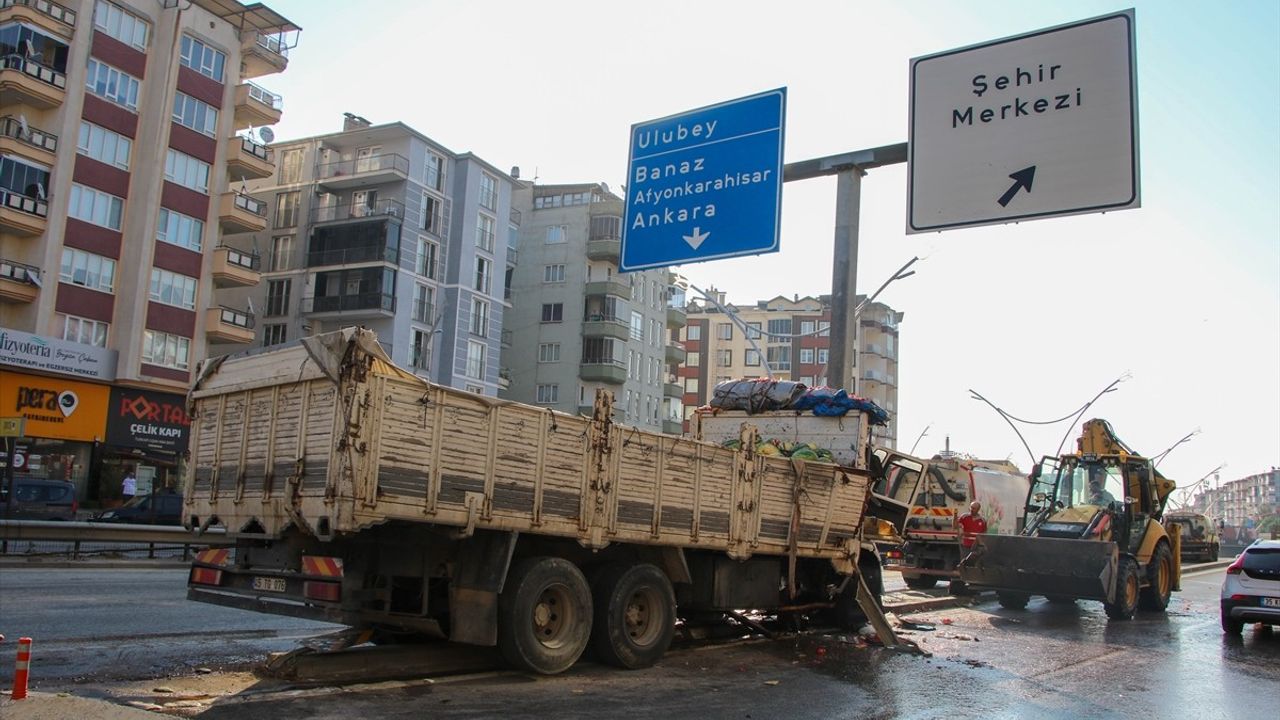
267, 134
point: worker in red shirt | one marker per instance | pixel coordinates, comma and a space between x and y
971, 524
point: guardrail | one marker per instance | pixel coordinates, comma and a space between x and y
14, 533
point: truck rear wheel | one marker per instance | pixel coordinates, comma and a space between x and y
1126, 597
544, 615
1155, 596
635, 615
920, 582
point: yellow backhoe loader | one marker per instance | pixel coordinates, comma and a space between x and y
1092, 532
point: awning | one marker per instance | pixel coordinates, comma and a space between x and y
255, 16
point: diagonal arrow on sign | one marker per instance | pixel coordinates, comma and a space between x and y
1021, 179
697, 238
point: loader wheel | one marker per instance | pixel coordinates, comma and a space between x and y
635, 615
1126, 602
1155, 596
1012, 600
920, 582
544, 615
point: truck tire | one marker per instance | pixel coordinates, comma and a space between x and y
920, 582
1011, 600
1127, 583
1155, 596
544, 615
635, 615
1214, 552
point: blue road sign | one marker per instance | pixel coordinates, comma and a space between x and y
705, 184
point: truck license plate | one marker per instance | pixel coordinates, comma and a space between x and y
269, 584
1271, 602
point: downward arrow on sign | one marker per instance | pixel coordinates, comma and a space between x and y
697, 238
1021, 179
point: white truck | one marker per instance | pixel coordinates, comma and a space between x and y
358, 493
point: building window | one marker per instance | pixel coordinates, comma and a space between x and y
203, 59
806, 356
637, 326
724, 358
484, 232
548, 394
164, 349
432, 214
287, 209
421, 358
120, 24
189, 172
823, 353
779, 327
484, 275
779, 357
278, 297
174, 289
291, 165
753, 330
274, 334
724, 331
824, 326
475, 359
195, 114
423, 304
549, 352
281, 253
751, 358
692, 359
104, 145
112, 85
479, 317
435, 172
807, 327
553, 273
691, 385
426, 263
693, 332
807, 380
95, 206
556, 234
83, 330
488, 191
181, 230
552, 312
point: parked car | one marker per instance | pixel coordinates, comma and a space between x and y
161, 509
39, 499
1251, 589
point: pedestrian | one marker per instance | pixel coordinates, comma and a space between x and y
129, 487
971, 524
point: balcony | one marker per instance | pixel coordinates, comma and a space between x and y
27, 82
370, 304
241, 213
262, 54
228, 325
343, 212
599, 326
19, 282
504, 378
615, 287
362, 172
352, 255
256, 106
676, 317
513, 256
607, 207
22, 215
675, 353
609, 371
235, 268
604, 248
672, 390
247, 160
672, 427
21, 139
45, 14
506, 338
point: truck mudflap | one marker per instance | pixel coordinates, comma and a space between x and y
1042, 566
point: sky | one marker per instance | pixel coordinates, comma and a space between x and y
1180, 297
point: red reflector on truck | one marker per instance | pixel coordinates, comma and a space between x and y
206, 576
322, 566
329, 591
213, 556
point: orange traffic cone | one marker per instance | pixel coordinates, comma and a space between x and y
21, 668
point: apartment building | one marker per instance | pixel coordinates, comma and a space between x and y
121, 124
791, 336
1240, 502
579, 323
381, 226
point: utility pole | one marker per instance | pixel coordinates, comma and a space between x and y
849, 167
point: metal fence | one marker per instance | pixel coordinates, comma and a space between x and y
38, 540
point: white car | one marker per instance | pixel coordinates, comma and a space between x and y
1251, 589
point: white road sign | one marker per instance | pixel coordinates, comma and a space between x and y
1027, 127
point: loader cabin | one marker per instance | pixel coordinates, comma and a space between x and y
1074, 497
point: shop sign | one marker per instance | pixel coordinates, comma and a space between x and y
36, 352
147, 420
55, 408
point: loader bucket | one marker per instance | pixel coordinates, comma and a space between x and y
1042, 566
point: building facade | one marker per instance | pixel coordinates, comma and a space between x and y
790, 336
121, 130
580, 324
1242, 502
380, 226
